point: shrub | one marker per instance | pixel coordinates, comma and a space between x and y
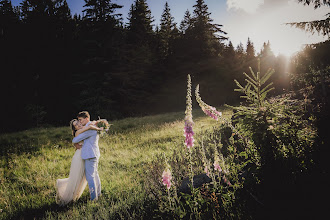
266, 144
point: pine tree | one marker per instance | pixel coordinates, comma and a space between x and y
38, 11
186, 22
267, 57
240, 52
139, 26
7, 12
62, 10
229, 56
167, 26
230, 52
250, 52
100, 10
317, 3
8, 17
207, 36
319, 26
266, 50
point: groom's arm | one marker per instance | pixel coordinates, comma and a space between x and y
83, 136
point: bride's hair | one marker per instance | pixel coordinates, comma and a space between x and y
73, 128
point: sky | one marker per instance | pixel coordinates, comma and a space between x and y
260, 20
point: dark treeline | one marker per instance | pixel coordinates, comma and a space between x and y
54, 64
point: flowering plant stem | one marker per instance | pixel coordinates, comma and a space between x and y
191, 169
169, 197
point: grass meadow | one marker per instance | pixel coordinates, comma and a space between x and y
32, 160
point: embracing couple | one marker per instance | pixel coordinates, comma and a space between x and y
84, 163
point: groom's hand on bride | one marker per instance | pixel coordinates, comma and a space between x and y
77, 146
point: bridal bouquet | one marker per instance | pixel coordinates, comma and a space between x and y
103, 123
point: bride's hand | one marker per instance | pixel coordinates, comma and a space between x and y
78, 146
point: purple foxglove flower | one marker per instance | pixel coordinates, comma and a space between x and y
217, 166
167, 176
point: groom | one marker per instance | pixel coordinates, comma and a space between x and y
90, 153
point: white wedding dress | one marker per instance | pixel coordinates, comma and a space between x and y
70, 189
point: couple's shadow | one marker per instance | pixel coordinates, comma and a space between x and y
40, 212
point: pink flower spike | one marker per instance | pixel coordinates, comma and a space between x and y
189, 134
217, 166
211, 114
167, 176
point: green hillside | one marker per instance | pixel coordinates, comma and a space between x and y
32, 160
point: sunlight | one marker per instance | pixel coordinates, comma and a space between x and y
268, 24
284, 40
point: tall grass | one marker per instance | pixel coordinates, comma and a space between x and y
32, 160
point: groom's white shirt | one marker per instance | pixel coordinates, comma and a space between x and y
90, 148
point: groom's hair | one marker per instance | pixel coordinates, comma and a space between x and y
83, 114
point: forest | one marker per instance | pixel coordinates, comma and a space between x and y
55, 64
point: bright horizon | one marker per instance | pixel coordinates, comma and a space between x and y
259, 20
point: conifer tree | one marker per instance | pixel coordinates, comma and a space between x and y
319, 26
186, 22
167, 26
63, 11
240, 52
207, 36
8, 17
7, 12
250, 52
267, 57
139, 26
230, 52
38, 11
266, 50
229, 55
100, 10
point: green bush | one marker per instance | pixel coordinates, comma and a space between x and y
264, 148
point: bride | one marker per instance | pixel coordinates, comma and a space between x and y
70, 189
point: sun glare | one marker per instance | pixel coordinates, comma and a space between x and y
286, 42
269, 24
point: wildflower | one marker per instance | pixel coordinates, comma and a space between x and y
226, 181
207, 109
217, 165
213, 114
167, 176
188, 130
188, 133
